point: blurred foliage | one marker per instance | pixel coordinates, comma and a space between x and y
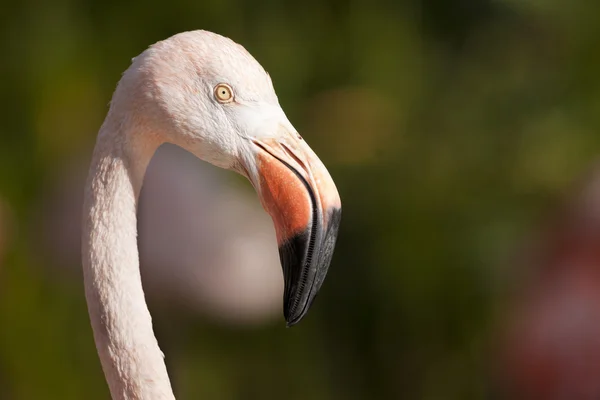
449, 127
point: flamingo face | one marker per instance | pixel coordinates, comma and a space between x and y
207, 94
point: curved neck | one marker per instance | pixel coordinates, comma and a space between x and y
131, 359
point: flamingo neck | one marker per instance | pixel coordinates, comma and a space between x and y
131, 358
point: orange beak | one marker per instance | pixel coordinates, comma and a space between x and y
297, 191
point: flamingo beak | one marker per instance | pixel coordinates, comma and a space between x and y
297, 191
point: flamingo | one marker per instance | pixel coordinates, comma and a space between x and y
206, 94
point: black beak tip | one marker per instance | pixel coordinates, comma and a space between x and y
289, 324
293, 319
305, 259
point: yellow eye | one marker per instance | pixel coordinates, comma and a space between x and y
223, 93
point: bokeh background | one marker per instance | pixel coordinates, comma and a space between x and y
461, 135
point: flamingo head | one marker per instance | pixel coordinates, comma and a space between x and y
208, 95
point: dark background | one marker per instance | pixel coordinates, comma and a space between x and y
451, 128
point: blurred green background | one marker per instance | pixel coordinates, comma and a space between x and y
449, 126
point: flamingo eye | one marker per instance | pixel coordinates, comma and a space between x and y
223, 93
